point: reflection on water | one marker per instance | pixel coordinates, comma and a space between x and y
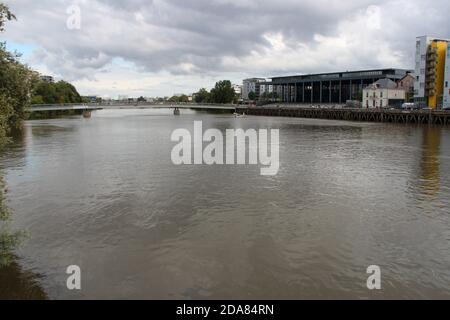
14, 283
17, 284
103, 194
430, 174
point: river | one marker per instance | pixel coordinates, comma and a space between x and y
103, 194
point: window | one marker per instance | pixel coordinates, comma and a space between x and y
381, 94
446, 84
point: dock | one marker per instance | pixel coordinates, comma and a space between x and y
430, 117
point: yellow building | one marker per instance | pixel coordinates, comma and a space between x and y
435, 72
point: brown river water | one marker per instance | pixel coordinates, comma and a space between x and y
103, 194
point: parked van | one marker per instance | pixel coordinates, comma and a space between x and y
408, 106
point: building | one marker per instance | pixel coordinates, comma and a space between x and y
48, 79
407, 83
266, 88
237, 89
92, 99
329, 88
251, 85
430, 68
447, 79
382, 94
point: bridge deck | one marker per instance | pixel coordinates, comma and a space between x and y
61, 108
64, 107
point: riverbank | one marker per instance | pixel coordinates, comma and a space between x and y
339, 112
39, 115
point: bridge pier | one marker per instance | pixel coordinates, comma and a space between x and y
87, 113
176, 111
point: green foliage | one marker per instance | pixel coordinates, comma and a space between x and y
9, 241
203, 96
37, 100
223, 92
4, 212
5, 15
252, 96
16, 84
59, 92
358, 96
179, 99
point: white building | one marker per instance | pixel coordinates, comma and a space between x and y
251, 85
422, 45
447, 79
266, 88
48, 79
237, 89
382, 94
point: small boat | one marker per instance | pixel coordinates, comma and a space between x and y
238, 115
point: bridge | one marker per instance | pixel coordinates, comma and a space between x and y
100, 106
62, 107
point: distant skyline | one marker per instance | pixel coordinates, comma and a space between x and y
159, 48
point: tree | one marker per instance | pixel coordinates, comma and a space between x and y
203, 96
16, 82
5, 15
60, 92
175, 99
223, 92
359, 96
252, 96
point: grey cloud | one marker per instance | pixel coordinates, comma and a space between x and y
167, 35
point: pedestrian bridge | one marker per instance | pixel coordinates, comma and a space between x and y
62, 107
100, 106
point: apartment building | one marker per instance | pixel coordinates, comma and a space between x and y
252, 85
447, 79
430, 70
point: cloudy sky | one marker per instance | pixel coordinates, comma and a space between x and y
162, 47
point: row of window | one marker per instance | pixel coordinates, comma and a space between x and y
374, 103
381, 94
